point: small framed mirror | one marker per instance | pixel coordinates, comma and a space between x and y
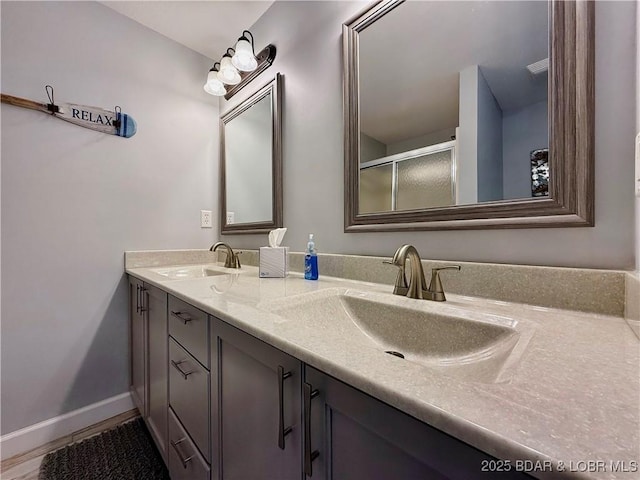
251, 163
469, 115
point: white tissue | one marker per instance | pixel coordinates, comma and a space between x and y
276, 236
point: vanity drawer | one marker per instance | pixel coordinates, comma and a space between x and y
190, 327
189, 395
185, 462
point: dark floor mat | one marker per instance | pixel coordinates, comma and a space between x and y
125, 453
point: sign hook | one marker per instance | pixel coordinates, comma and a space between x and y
52, 107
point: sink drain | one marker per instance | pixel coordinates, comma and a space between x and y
395, 354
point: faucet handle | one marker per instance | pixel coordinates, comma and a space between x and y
448, 267
435, 286
401, 287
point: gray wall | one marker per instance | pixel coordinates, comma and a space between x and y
637, 200
73, 200
467, 139
523, 130
421, 141
308, 38
371, 149
489, 143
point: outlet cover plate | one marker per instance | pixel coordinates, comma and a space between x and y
205, 219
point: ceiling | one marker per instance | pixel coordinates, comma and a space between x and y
208, 27
410, 62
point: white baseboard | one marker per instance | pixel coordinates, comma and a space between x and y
28, 438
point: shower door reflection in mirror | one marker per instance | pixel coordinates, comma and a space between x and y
398, 182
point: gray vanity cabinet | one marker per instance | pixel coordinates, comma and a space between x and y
148, 351
224, 405
350, 435
257, 414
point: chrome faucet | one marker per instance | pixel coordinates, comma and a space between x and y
232, 260
415, 288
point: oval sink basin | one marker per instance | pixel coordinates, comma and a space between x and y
191, 271
462, 343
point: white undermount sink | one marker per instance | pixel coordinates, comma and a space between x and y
462, 343
189, 271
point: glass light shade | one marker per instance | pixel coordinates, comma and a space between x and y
228, 73
244, 58
213, 85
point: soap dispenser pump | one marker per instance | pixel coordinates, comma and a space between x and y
311, 260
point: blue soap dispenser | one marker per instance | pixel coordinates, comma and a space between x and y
311, 260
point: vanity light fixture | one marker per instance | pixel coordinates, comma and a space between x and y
228, 73
238, 67
214, 86
244, 58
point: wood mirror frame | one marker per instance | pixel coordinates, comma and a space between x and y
571, 134
274, 87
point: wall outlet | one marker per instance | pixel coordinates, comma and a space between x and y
231, 218
205, 219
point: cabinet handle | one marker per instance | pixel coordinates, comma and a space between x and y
309, 455
175, 447
137, 298
282, 432
176, 365
142, 299
184, 317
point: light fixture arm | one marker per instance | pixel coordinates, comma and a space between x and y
245, 33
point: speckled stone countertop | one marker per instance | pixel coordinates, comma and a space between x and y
571, 400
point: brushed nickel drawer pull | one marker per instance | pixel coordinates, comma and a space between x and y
143, 293
282, 431
182, 459
176, 365
182, 316
137, 298
309, 455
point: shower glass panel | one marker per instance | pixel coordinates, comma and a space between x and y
375, 189
415, 179
434, 171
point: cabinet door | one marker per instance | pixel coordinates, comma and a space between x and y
256, 388
156, 310
354, 436
137, 344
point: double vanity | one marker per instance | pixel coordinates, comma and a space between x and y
522, 372
239, 377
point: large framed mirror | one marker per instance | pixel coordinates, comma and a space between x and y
469, 115
251, 163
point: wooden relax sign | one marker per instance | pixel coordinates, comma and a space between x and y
105, 121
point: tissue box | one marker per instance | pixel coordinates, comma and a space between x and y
274, 262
